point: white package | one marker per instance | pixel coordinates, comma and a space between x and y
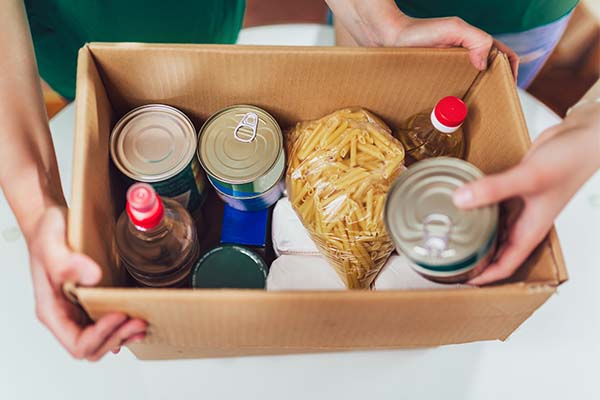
288, 234
298, 272
293, 272
301, 267
398, 275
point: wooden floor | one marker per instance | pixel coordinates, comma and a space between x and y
573, 68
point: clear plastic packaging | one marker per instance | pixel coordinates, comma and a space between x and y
340, 169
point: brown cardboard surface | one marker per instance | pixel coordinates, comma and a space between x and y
203, 79
557, 253
294, 84
91, 207
225, 320
496, 142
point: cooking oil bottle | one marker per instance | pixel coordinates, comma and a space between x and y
156, 239
436, 134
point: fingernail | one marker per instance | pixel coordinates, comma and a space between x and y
462, 197
483, 64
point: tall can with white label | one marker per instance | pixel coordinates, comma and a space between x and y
443, 243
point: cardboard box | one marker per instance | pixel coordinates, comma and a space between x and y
294, 84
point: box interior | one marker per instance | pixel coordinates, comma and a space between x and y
394, 84
294, 84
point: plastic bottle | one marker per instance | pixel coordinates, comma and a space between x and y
436, 134
156, 239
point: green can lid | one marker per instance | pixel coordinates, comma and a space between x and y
230, 266
239, 144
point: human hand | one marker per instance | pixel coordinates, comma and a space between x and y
448, 32
381, 23
557, 165
52, 264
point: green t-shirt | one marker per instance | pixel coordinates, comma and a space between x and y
493, 16
60, 27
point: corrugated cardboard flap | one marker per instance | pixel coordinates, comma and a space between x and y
219, 321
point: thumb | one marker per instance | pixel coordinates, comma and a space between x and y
67, 266
490, 189
61, 263
83, 270
477, 42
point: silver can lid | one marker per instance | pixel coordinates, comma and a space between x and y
153, 142
239, 144
423, 221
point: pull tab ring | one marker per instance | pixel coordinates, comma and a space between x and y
435, 243
250, 120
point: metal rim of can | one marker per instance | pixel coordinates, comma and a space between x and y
255, 196
475, 230
215, 160
254, 188
257, 261
464, 266
216, 187
261, 202
126, 166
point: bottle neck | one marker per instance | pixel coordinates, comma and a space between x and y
149, 234
441, 127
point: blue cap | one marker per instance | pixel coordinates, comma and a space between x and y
248, 228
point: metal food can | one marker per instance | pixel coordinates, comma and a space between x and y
241, 150
156, 144
444, 243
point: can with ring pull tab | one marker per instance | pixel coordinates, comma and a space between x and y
444, 243
241, 150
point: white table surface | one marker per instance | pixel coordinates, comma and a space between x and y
553, 355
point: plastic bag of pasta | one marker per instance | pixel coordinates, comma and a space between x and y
340, 169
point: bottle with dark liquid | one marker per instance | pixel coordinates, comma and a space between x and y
436, 134
156, 239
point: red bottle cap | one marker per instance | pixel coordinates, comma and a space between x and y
144, 206
450, 111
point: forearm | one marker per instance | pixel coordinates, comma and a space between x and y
593, 96
369, 22
585, 115
586, 133
29, 174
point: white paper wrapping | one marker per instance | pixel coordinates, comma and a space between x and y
293, 272
288, 234
398, 275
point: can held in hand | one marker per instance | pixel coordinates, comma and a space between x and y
241, 150
156, 144
444, 243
